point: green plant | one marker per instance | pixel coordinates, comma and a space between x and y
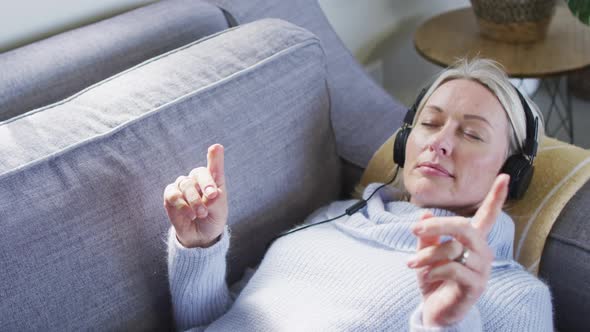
580, 9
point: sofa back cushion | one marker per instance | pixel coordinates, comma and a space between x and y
82, 223
52, 69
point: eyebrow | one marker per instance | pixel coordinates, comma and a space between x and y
466, 116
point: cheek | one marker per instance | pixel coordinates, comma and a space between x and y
479, 171
412, 149
417, 185
487, 160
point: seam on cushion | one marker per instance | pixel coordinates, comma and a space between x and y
313, 41
330, 109
142, 64
570, 242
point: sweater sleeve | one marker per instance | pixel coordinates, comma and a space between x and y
197, 281
471, 322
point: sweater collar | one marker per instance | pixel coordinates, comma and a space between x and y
386, 221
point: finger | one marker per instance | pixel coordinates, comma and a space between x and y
176, 206
449, 252
437, 253
457, 227
204, 181
486, 215
426, 241
479, 262
425, 286
215, 163
473, 282
188, 187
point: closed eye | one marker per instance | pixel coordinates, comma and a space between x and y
428, 124
473, 136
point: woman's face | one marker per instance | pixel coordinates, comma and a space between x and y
456, 148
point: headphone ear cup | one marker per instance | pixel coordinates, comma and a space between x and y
399, 146
521, 173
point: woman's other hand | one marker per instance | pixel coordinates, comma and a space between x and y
450, 288
197, 204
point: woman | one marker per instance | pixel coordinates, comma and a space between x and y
435, 255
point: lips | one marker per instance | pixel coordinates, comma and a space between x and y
434, 167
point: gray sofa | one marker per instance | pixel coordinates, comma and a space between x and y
97, 120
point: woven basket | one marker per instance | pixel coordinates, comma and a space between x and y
514, 21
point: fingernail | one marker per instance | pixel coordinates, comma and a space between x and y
202, 212
411, 262
209, 191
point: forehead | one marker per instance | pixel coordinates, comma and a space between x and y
463, 96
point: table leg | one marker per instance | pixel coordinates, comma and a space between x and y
569, 110
560, 102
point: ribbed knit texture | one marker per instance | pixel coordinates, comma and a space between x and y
349, 274
197, 282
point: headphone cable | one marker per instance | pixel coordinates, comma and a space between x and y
349, 211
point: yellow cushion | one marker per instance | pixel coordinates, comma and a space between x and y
561, 169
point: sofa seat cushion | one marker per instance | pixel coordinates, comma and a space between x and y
55, 68
82, 223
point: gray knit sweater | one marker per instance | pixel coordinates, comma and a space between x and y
349, 274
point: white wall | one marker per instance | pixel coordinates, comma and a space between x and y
24, 21
381, 32
361, 24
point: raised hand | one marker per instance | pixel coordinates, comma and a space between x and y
450, 287
197, 204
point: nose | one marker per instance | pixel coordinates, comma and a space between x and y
442, 142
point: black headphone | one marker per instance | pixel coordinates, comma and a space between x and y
519, 166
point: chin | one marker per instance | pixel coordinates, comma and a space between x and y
427, 193
428, 201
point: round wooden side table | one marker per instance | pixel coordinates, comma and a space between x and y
454, 34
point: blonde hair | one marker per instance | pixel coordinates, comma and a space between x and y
490, 74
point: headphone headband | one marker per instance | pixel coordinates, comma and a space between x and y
532, 131
409, 118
